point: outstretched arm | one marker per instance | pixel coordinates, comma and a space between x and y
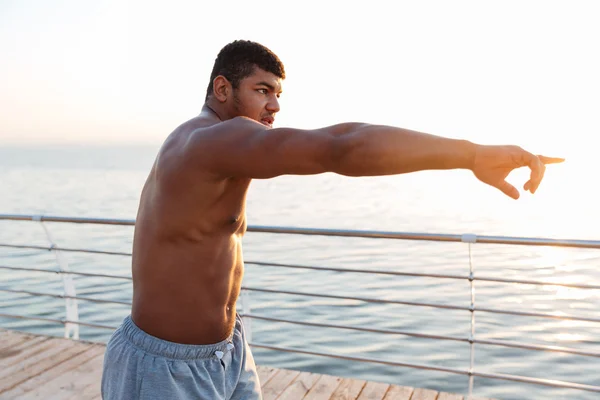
244, 148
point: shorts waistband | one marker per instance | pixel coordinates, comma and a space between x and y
164, 348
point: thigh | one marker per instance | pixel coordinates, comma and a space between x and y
120, 372
247, 386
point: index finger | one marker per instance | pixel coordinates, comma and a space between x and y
550, 160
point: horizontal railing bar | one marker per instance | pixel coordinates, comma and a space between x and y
366, 271
356, 328
409, 303
361, 359
358, 233
365, 299
62, 296
25, 246
66, 272
524, 379
532, 282
60, 321
525, 346
555, 349
528, 241
538, 381
74, 220
442, 276
56, 248
531, 314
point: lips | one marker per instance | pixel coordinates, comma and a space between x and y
268, 121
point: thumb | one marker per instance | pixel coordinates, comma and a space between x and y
507, 189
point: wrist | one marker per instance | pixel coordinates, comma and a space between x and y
468, 152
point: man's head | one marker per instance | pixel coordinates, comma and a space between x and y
246, 80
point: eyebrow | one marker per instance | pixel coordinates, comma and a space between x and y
263, 83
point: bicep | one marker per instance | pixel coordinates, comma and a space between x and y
240, 148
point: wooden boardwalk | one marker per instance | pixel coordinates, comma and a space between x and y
42, 367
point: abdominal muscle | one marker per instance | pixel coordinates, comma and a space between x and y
184, 291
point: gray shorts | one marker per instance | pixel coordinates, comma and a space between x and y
140, 366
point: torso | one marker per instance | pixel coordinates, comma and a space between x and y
187, 251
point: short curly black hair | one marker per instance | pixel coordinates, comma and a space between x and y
238, 59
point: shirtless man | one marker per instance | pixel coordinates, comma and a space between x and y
184, 339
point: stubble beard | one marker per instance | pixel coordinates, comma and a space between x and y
237, 104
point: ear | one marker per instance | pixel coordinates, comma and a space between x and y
221, 88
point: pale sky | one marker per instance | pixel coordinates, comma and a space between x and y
525, 72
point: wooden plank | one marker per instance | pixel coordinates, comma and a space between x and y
17, 341
324, 388
14, 354
424, 394
89, 392
24, 362
11, 347
63, 368
69, 386
374, 391
10, 338
265, 374
399, 393
40, 362
278, 383
348, 389
299, 387
449, 396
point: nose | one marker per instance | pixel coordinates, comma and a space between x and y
273, 105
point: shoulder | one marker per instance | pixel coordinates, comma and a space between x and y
171, 158
196, 142
234, 126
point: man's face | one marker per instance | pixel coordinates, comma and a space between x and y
257, 97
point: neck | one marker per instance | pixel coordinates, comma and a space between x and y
213, 110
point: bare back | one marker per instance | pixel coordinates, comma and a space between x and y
187, 251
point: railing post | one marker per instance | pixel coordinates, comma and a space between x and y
471, 239
71, 309
245, 301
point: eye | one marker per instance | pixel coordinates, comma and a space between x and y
263, 91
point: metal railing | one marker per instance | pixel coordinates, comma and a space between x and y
72, 321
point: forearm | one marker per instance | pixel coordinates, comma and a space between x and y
368, 150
